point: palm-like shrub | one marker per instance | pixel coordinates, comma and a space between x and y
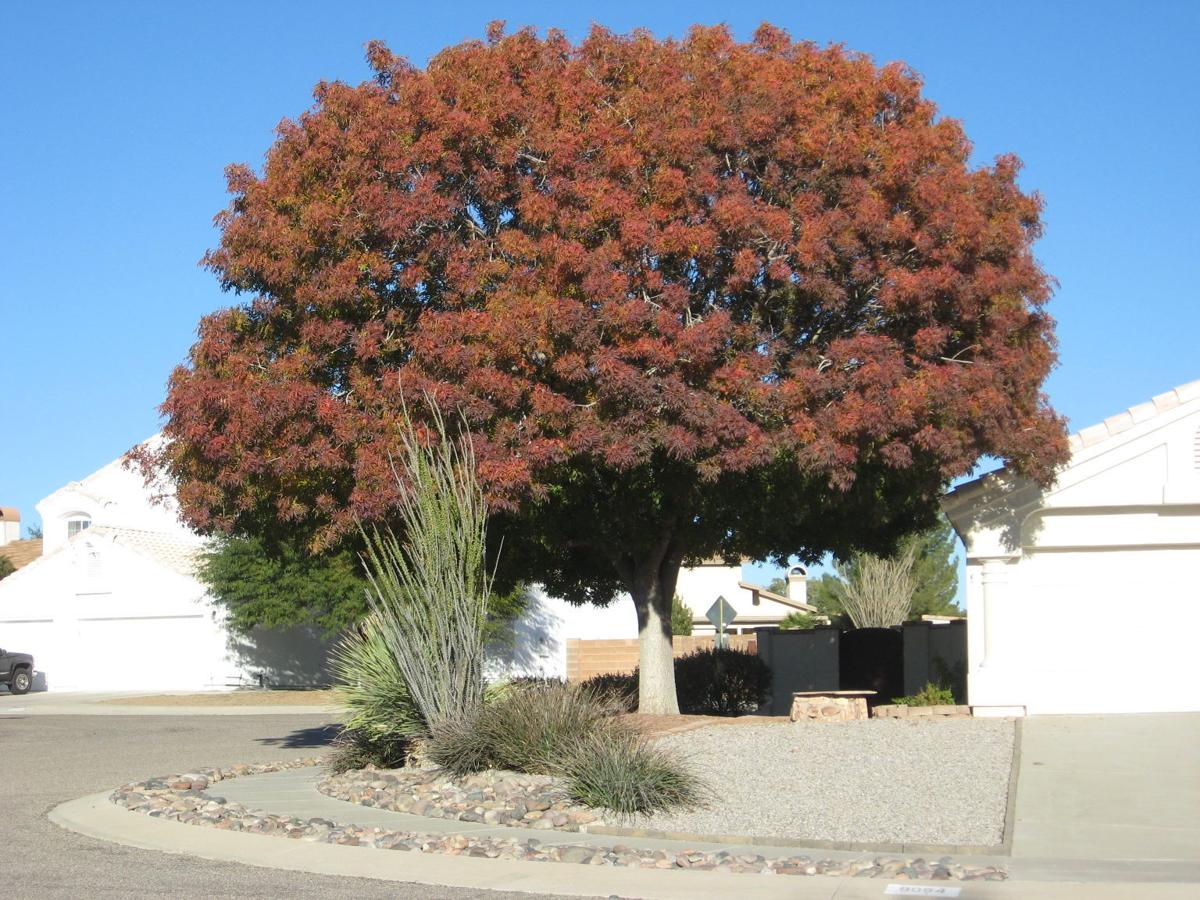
383, 719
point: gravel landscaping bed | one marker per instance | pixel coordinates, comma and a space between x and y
929, 781
185, 798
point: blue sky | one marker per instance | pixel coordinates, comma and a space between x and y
119, 118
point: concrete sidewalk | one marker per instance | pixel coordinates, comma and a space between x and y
1109, 787
80, 703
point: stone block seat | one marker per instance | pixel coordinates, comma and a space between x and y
830, 706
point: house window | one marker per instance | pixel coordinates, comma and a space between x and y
76, 524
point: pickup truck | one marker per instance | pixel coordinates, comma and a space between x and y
16, 670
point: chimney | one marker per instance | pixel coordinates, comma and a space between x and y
10, 525
797, 585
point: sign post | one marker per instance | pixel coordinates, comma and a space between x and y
721, 614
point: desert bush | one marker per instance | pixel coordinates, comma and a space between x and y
383, 718
930, 695
718, 681
430, 586
613, 768
878, 592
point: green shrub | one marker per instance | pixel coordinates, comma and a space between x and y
612, 768
930, 695
719, 681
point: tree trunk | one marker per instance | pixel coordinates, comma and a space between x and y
652, 591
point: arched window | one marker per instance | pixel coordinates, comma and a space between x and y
77, 522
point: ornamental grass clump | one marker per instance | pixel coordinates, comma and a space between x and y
528, 727
616, 769
568, 730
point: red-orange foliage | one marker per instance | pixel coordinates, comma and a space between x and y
675, 287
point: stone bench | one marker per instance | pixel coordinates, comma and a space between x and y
830, 706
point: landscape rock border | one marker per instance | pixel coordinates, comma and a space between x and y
184, 798
512, 799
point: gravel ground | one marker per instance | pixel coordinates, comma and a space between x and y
877, 781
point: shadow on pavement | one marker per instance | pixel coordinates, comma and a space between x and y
317, 736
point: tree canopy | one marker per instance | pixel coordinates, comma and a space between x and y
691, 297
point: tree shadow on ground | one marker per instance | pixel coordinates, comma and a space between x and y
316, 736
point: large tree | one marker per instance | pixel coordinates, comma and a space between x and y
691, 297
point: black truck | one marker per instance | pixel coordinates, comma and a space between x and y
16, 670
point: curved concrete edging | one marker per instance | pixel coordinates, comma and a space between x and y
97, 817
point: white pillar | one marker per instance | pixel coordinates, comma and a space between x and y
993, 579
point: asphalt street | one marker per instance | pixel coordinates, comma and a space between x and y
48, 759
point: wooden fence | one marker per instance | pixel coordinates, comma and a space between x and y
586, 658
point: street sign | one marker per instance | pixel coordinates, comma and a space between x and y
721, 614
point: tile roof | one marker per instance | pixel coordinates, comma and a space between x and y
181, 555
1135, 415
22, 553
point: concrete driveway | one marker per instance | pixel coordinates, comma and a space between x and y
1109, 787
48, 759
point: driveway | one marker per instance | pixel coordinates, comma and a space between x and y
48, 759
1109, 787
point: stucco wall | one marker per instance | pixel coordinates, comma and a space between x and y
1083, 597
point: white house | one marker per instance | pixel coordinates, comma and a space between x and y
113, 602
1084, 597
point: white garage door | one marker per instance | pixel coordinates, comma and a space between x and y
1106, 632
